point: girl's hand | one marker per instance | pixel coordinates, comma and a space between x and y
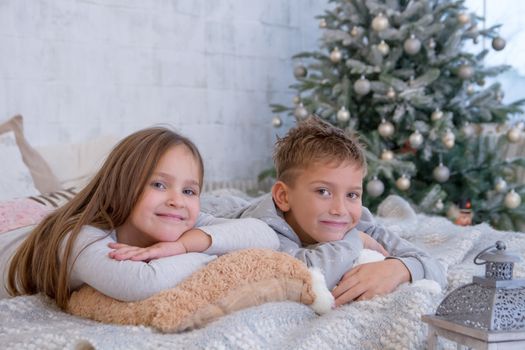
370, 243
368, 280
159, 250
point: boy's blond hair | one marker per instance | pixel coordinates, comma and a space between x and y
312, 141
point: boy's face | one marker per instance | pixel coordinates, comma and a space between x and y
324, 201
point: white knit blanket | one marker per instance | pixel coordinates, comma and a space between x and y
388, 322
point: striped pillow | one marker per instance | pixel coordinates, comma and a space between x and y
55, 199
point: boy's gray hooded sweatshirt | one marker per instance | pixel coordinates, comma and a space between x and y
335, 258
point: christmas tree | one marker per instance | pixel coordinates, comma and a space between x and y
397, 73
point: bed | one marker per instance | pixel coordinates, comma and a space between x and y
388, 322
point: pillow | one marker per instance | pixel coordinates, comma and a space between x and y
229, 283
20, 212
43, 178
16, 180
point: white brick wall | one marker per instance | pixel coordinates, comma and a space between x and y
77, 69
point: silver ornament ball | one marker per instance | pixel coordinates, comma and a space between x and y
403, 183
391, 93
300, 111
386, 129
512, 200
498, 43
343, 115
277, 121
441, 173
412, 45
379, 23
501, 185
465, 71
375, 187
336, 55
415, 139
300, 72
362, 86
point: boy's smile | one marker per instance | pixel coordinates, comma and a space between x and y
324, 201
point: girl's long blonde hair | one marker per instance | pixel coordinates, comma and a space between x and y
105, 203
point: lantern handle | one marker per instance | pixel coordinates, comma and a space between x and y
500, 245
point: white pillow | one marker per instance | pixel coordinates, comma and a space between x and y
15, 178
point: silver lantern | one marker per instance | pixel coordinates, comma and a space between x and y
490, 310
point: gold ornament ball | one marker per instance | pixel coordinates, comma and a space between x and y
354, 32
514, 135
512, 200
391, 93
296, 100
403, 183
276, 121
415, 139
379, 23
362, 86
387, 155
436, 115
383, 48
412, 45
343, 115
498, 43
463, 18
448, 139
336, 55
386, 129
375, 187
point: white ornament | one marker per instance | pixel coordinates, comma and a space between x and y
296, 99
436, 115
514, 134
375, 187
336, 55
387, 154
386, 129
448, 139
468, 129
403, 183
391, 93
498, 43
441, 173
322, 23
300, 72
465, 71
300, 111
362, 86
412, 45
512, 200
343, 115
379, 23
415, 139
470, 89
383, 48
432, 43
439, 205
501, 185
276, 121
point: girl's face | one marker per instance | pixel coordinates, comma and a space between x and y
169, 204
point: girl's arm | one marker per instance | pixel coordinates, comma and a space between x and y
126, 280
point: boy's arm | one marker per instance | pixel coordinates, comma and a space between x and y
228, 235
334, 259
418, 262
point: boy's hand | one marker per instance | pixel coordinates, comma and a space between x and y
370, 243
159, 250
368, 280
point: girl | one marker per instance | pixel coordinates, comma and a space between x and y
146, 192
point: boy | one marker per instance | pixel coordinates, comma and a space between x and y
316, 209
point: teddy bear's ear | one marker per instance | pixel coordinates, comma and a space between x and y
231, 282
